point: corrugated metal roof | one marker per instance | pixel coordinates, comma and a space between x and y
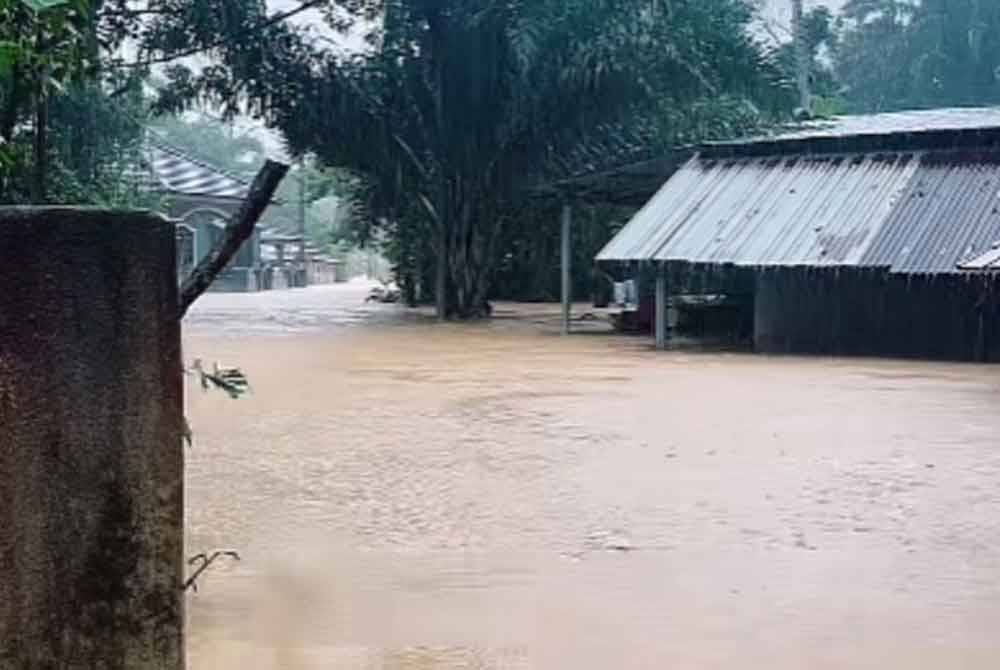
892, 123
822, 210
908, 212
989, 260
949, 213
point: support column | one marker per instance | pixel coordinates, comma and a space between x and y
661, 307
302, 272
91, 460
565, 255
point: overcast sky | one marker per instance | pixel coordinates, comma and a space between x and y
782, 9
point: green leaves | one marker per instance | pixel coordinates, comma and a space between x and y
463, 106
896, 55
9, 51
231, 381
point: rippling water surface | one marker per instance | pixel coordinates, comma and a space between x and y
412, 495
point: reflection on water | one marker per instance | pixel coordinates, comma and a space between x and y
413, 495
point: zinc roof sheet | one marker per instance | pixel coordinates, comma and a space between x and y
989, 260
816, 210
925, 212
911, 207
949, 214
889, 123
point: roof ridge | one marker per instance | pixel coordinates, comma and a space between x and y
161, 143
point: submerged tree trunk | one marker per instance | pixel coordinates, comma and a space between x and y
471, 266
441, 279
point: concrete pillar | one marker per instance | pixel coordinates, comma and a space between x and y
766, 337
661, 307
91, 461
566, 258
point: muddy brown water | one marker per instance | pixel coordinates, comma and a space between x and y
413, 495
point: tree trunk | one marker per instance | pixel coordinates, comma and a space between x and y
464, 251
40, 139
40, 148
802, 57
238, 229
441, 277
471, 267
13, 101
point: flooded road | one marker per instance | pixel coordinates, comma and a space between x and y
412, 495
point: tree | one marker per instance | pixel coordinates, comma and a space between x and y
44, 48
461, 107
819, 30
64, 73
894, 54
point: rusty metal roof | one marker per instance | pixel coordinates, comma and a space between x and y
909, 212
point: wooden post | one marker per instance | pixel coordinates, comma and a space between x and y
567, 287
661, 307
302, 274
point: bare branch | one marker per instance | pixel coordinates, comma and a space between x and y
277, 18
238, 229
205, 562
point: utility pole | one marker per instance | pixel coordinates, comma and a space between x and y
303, 275
801, 57
565, 260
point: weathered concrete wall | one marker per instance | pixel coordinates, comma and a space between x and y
91, 476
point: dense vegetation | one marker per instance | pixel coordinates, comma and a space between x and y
443, 127
460, 108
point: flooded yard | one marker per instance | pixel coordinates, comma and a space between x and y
412, 495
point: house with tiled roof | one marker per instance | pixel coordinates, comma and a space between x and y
201, 198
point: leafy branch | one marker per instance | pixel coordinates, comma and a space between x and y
230, 380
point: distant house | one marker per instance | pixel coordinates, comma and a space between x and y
201, 198
862, 235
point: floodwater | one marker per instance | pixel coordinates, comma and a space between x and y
410, 495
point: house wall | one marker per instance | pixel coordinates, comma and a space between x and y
91, 459
871, 312
243, 272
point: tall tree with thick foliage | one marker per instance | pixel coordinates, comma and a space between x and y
71, 85
460, 107
898, 54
